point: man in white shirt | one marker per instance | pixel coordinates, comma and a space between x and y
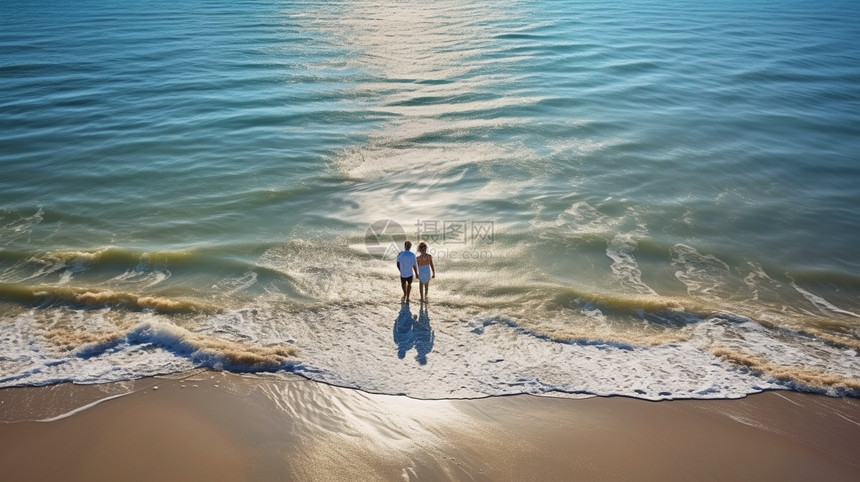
408, 266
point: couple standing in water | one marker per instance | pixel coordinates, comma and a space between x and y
420, 266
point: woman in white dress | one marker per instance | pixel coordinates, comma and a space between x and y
426, 270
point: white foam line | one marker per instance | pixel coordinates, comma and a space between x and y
821, 303
788, 399
846, 418
81, 409
624, 265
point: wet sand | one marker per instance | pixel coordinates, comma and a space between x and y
219, 426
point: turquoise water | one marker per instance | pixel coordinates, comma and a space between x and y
653, 199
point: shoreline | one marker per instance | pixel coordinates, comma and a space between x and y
224, 426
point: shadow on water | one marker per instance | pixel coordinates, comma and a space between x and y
413, 331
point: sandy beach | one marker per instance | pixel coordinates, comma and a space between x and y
217, 426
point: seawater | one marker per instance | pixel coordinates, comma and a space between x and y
652, 199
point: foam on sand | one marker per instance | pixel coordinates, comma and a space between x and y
202, 349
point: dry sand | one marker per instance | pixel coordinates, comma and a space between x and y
217, 426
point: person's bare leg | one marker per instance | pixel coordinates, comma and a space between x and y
408, 290
403, 284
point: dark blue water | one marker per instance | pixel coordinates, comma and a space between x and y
665, 190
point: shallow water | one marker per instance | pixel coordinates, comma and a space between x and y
647, 199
